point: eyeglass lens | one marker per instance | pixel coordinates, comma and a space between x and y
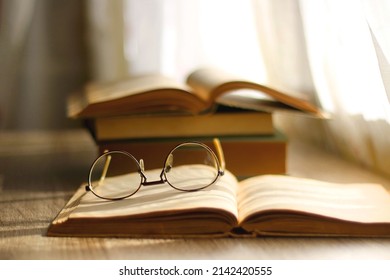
115, 175
191, 167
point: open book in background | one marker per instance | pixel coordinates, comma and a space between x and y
156, 94
274, 205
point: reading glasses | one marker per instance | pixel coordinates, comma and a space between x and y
188, 167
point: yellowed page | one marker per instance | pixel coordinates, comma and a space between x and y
214, 84
127, 87
352, 202
162, 197
205, 80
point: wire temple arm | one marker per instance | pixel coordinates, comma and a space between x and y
105, 168
220, 155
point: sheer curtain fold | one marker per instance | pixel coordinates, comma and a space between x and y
16, 22
377, 15
174, 37
348, 77
282, 38
342, 48
106, 39
42, 60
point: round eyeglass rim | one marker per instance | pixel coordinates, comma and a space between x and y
142, 175
219, 169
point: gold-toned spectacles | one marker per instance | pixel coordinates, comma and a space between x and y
190, 166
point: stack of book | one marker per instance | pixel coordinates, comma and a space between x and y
148, 115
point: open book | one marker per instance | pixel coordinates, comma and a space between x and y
156, 94
263, 205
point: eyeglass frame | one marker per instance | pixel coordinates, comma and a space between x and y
220, 162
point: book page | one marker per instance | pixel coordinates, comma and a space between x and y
146, 94
251, 99
216, 86
159, 198
366, 203
114, 90
205, 81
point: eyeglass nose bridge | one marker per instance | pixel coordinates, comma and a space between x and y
145, 182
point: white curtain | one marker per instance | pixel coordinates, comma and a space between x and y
174, 37
340, 51
105, 37
348, 50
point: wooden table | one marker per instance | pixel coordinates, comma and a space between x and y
40, 171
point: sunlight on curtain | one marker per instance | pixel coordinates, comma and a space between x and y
105, 21
343, 59
348, 80
174, 37
280, 33
338, 53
